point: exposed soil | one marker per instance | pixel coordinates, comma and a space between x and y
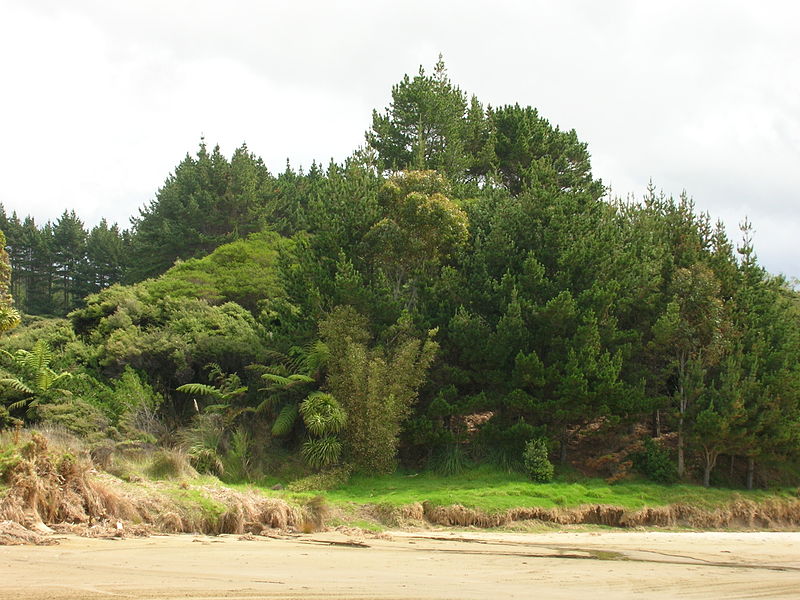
405, 565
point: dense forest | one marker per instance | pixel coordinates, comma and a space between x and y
460, 290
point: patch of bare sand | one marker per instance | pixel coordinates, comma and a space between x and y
405, 565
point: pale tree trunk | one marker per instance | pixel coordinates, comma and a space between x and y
711, 460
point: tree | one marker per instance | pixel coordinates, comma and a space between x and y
323, 418
376, 385
9, 317
532, 154
69, 253
692, 333
205, 203
424, 126
104, 258
422, 228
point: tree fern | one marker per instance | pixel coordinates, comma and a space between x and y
200, 389
285, 420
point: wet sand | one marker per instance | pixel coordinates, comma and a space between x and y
421, 565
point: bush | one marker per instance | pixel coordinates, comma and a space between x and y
326, 480
655, 463
449, 460
170, 464
537, 464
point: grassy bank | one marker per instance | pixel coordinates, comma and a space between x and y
159, 491
491, 490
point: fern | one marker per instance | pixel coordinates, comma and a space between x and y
285, 420
200, 389
286, 382
16, 384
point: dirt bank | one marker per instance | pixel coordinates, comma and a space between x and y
405, 565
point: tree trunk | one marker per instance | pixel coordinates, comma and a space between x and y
681, 460
657, 423
563, 456
711, 460
751, 468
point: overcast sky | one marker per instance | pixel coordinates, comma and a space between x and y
100, 100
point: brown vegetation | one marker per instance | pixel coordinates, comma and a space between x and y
66, 493
770, 514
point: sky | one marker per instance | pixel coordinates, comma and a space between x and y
101, 99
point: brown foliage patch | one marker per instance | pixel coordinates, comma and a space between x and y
14, 534
63, 490
741, 513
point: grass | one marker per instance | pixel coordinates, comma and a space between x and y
195, 501
493, 491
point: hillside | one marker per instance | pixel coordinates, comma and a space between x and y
461, 293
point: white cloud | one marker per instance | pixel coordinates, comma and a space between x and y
102, 100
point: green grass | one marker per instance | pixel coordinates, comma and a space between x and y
492, 491
197, 502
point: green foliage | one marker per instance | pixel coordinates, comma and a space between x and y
285, 420
322, 414
326, 480
206, 202
204, 442
535, 459
655, 463
35, 380
304, 297
9, 458
321, 452
376, 386
238, 461
77, 416
9, 317
449, 460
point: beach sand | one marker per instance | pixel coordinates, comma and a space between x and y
404, 565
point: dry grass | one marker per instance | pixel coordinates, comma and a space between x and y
14, 534
771, 514
63, 490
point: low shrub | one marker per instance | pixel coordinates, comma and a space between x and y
170, 464
655, 463
450, 460
326, 480
536, 462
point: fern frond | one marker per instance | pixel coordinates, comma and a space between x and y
18, 404
285, 420
200, 389
16, 384
276, 379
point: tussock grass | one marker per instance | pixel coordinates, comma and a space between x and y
56, 487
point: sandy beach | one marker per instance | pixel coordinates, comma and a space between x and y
406, 565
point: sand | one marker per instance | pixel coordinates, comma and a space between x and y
423, 565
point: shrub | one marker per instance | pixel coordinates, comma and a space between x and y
326, 480
170, 464
654, 462
537, 464
449, 460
